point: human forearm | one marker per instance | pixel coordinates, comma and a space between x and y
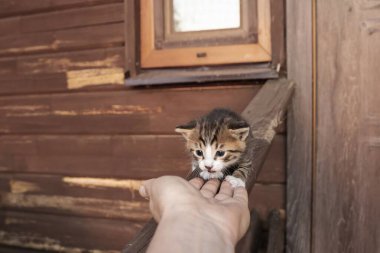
189, 233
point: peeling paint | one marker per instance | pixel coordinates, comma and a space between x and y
65, 113
88, 182
12, 221
64, 64
22, 186
27, 49
25, 110
89, 77
85, 206
17, 141
23, 107
21, 111
114, 110
41, 243
27, 114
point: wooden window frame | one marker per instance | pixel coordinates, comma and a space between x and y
274, 42
165, 37
151, 57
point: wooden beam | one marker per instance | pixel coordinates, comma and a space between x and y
299, 169
253, 237
276, 237
264, 113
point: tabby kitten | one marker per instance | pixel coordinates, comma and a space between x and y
221, 146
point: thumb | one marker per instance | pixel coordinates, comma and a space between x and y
145, 188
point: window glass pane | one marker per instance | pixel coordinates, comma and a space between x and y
201, 15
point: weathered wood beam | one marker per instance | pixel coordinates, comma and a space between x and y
276, 237
264, 113
252, 239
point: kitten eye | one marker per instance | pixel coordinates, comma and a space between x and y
220, 153
199, 152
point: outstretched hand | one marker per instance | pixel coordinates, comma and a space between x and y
211, 208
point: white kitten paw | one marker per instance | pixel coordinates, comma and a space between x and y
235, 182
217, 175
205, 175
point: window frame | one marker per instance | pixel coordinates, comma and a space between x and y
165, 37
151, 57
136, 75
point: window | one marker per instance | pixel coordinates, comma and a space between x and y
173, 37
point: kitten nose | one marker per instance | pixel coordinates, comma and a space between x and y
208, 168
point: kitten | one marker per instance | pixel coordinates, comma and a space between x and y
221, 146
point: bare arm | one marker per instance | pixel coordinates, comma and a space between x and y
194, 217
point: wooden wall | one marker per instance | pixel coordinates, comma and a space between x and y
75, 143
346, 206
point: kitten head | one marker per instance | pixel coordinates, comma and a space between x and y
215, 143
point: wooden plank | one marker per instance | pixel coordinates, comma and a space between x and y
64, 19
266, 197
83, 207
252, 240
276, 237
12, 8
71, 186
9, 26
75, 206
108, 35
299, 169
153, 111
274, 167
72, 18
70, 234
264, 114
109, 198
121, 156
62, 62
346, 203
191, 75
87, 79
7, 249
36, 83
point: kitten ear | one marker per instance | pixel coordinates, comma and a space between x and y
240, 133
186, 129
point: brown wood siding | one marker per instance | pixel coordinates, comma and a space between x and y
346, 207
75, 143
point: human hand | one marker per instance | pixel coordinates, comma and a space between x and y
224, 210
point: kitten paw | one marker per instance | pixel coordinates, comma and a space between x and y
235, 182
207, 175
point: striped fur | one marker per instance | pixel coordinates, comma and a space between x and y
220, 144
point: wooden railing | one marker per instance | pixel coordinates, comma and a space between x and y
264, 113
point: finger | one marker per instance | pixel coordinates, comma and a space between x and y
197, 182
225, 191
240, 193
210, 188
145, 188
